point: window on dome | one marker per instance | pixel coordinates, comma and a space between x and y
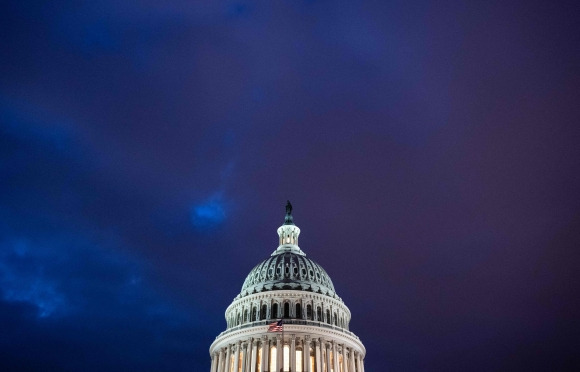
278, 271
318, 314
309, 312
328, 316
286, 310
298, 311
295, 271
311, 273
254, 313
264, 311
287, 270
274, 311
303, 272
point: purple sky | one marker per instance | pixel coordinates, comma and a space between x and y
431, 151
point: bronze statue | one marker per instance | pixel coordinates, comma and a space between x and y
288, 208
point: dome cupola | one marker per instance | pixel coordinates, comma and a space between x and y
288, 234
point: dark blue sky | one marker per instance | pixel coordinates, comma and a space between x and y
430, 149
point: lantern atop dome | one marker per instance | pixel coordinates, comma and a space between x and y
288, 234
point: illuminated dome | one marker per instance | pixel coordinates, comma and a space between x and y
287, 318
288, 269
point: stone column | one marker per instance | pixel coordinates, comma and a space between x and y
327, 348
279, 352
237, 357
228, 359
220, 367
254, 355
306, 353
318, 356
360, 364
248, 356
335, 357
300, 363
352, 360
249, 348
265, 352
245, 357
293, 354
212, 369
344, 358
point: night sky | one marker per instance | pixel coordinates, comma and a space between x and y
431, 151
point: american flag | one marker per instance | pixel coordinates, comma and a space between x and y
276, 326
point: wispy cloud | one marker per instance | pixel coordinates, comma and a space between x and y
209, 213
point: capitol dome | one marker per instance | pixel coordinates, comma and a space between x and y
293, 295
286, 269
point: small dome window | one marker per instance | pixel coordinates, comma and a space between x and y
295, 271
287, 270
318, 275
278, 271
303, 271
311, 273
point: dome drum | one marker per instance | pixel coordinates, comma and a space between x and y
288, 305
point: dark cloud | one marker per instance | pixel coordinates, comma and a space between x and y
430, 152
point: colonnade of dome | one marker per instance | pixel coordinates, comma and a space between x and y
289, 287
305, 307
299, 354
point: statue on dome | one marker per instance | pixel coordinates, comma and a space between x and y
288, 208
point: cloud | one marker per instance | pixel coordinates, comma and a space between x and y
74, 293
77, 290
23, 280
209, 213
